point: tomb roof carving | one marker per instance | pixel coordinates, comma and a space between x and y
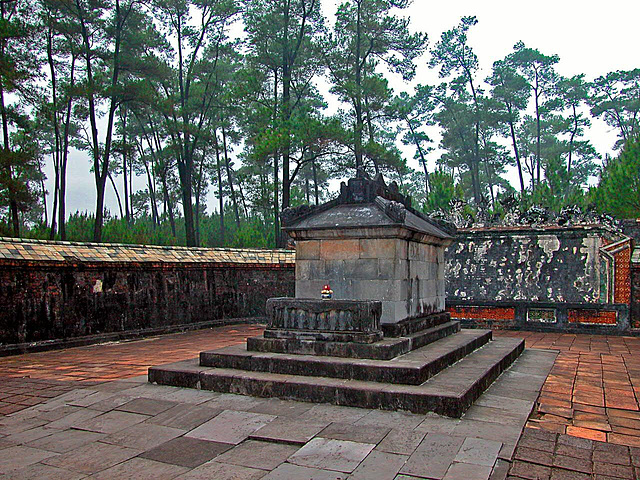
365, 203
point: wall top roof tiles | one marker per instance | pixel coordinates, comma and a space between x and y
48, 251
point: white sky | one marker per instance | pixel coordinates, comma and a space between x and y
590, 37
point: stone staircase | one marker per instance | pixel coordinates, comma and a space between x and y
440, 369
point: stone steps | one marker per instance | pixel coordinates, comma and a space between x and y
413, 368
385, 349
450, 392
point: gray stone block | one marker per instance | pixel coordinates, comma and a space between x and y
339, 455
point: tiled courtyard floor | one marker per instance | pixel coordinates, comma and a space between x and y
108, 423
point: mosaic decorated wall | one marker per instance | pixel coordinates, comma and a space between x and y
61, 290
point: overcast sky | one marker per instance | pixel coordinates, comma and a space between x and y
590, 37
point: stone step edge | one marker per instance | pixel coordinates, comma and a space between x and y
366, 370
387, 349
416, 399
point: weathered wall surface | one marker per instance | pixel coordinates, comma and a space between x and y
534, 266
41, 304
62, 290
571, 278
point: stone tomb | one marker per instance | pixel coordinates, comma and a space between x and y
383, 341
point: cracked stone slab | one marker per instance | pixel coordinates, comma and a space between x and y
479, 451
230, 426
340, 455
354, 433
40, 470
222, 471
379, 466
146, 406
294, 431
66, 441
256, 454
401, 442
92, 458
287, 471
186, 452
143, 436
434, 455
140, 469
14, 458
184, 416
110, 422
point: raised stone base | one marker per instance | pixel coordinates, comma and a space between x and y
428, 364
385, 349
413, 368
321, 336
410, 326
450, 392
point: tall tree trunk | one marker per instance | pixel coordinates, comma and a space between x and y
56, 129
115, 189
358, 102
423, 160
152, 196
276, 212
220, 196
101, 162
230, 177
169, 204
286, 111
125, 149
54, 209
44, 194
198, 193
371, 132
516, 153
315, 182
538, 130
244, 202
574, 132
475, 166
62, 214
13, 204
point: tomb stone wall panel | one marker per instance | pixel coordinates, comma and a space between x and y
401, 273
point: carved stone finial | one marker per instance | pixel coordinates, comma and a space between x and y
536, 215
291, 214
396, 211
510, 204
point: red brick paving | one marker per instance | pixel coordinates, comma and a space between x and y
33, 378
593, 388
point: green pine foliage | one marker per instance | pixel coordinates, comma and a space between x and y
618, 192
202, 99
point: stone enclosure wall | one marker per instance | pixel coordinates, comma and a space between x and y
554, 278
44, 300
564, 279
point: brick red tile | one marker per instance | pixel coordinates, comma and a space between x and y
530, 471
620, 471
587, 433
534, 456
572, 463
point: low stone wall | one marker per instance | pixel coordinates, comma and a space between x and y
52, 291
547, 278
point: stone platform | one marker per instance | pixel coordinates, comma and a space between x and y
443, 375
